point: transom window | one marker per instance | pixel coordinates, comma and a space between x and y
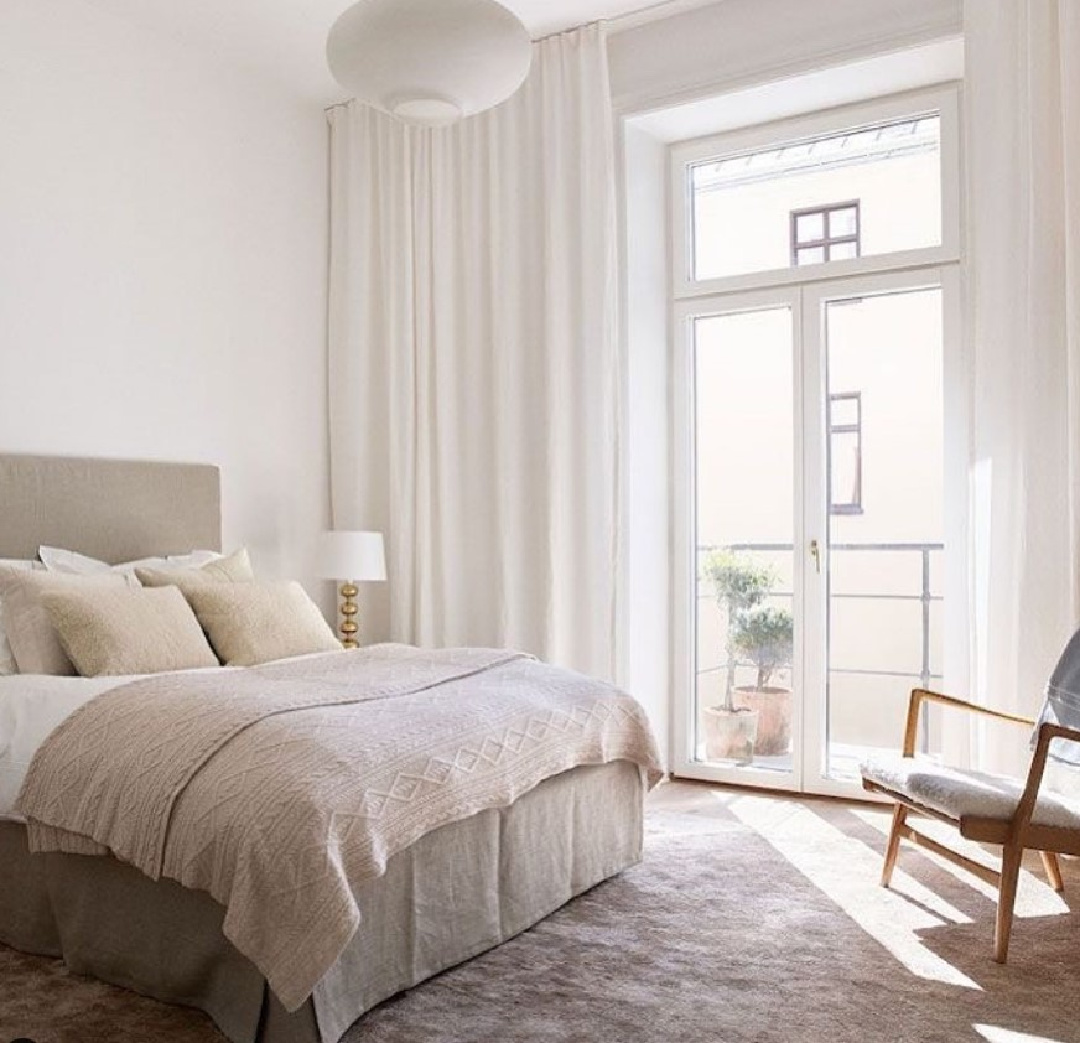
861, 192
825, 233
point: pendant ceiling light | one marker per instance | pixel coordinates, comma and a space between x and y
429, 61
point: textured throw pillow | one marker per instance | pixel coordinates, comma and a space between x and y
234, 568
72, 563
250, 623
7, 660
33, 639
128, 631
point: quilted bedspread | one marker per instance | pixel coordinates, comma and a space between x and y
281, 788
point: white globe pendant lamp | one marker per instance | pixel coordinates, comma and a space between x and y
429, 62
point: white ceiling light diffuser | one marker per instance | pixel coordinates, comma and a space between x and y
429, 62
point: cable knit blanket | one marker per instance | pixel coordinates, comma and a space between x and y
279, 789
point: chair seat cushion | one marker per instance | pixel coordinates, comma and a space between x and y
959, 792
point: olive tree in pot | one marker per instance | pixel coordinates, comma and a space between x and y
739, 585
765, 636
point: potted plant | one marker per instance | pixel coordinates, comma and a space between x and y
765, 636
739, 584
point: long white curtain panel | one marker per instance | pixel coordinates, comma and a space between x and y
474, 362
1022, 115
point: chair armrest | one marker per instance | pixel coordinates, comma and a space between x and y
921, 695
1047, 733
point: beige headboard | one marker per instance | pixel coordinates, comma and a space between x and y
116, 510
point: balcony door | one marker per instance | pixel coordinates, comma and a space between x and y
811, 555
814, 277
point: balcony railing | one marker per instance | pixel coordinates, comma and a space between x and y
925, 596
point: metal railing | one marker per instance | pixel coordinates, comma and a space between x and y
925, 595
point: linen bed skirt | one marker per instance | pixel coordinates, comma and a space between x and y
455, 893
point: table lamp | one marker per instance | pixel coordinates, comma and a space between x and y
351, 557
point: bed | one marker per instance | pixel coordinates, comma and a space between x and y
456, 891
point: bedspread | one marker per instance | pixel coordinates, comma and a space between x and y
279, 789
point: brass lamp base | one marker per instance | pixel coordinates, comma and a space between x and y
349, 609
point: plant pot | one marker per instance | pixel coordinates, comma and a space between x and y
773, 707
730, 734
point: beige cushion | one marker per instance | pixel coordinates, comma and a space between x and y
963, 792
7, 660
128, 631
250, 623
233, 568
34, 643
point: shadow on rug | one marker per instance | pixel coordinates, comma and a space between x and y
751, 920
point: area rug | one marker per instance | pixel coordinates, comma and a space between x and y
752, 919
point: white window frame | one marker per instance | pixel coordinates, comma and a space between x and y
942, 100
804, 289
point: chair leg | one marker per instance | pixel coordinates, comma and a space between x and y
892, 849
1011, 856
1053, 870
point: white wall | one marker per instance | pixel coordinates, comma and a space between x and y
163, 266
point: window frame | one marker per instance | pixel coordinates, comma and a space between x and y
855, 507
942, 101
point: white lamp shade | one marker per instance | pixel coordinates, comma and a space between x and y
429, 62
351, 555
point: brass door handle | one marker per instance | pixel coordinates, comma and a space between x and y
815, 551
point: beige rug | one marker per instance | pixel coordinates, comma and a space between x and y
751, 920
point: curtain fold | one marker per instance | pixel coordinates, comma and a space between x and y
473, 362
1022, 332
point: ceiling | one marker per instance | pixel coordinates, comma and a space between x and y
285, 39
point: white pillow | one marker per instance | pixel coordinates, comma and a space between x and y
72, 563
7, 660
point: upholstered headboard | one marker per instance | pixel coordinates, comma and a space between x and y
116, 510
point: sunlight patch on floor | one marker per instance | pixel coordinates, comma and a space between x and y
902, 883
847, 871
1035, 897
993, 1034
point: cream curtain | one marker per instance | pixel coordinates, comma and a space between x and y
473, 363
1022, 119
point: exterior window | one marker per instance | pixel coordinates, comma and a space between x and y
825, 233
845, 453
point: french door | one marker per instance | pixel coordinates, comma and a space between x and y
810, 524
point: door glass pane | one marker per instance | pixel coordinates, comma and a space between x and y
885, 557
744, 525
879, 184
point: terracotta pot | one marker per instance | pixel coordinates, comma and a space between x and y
730, 734
773, 706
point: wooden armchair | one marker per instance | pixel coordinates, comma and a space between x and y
986, 808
